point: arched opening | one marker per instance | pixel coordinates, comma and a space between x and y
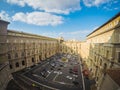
39, 57
10, 66
9, 56
104, 68
111, 65
96, 70
16, 55
17, 64
22, 54
33, 59
23, 62
100, 62
45, 55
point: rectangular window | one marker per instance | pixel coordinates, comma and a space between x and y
119, 57
107, 54
119, 38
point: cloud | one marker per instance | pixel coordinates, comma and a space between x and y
113, 5
90, 3
54, 6
38, 18
18, 2
4, 16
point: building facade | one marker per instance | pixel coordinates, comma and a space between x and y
25, 50
100, 51
5, 74
72, 47
19, 50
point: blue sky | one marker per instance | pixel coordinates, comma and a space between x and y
71, 19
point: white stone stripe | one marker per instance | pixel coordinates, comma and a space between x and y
40, 84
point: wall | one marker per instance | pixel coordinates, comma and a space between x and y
109, 84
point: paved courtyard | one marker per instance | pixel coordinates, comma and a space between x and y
59, 72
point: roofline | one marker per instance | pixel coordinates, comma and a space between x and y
21, 32
4, 21
118, 14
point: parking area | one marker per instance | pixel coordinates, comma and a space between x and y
61, 71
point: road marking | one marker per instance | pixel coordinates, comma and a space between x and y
34, 67
63, 83
49, 74
40, 83
55, 77
59, 81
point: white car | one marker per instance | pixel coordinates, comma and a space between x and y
69, 77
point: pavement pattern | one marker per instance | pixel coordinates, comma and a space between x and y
59, 72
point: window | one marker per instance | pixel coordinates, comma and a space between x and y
105, 66
32, 59
39, 57
7, 41
22, 54
95, 58
119, 57
107, 54
23, 62
16, 55
119, 38
116, 22
111, 65
28, 53
11, 66
17, 64
100, 62
9, 56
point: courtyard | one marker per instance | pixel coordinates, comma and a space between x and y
59, 72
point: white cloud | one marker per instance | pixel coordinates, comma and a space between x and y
18, 2
38, 18
90, 3
4, 16
54, 6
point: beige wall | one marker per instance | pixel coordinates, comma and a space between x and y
103, 47
5, 76
25, 50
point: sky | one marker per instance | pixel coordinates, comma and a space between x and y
70, 19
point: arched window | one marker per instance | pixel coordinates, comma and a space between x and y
111, 65
32, 59
100, 62
16, 55
23, 62
9, 56
22, 54
39, 57
10, 66
17, 64
105, 66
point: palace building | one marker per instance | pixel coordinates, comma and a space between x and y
100, 51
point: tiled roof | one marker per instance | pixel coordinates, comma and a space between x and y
114, 74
